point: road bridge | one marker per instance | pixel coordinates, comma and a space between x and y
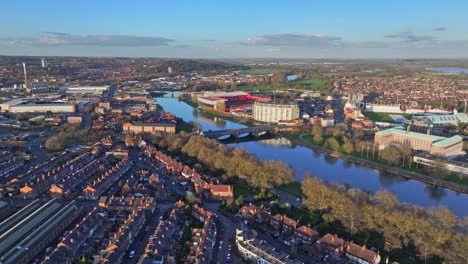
254, 131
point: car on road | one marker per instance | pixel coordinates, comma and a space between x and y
132, 254
326, 257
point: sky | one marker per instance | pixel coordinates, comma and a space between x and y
335, 29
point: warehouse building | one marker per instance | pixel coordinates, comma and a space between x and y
24, 106
273, 113
26, 233
88, 90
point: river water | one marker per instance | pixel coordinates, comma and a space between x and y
329, 169
447, 69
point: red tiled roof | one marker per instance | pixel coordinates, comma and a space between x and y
361, 252
307, 231
290, 222
331, 240
221, 188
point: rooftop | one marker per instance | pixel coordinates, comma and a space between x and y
401, 130
444, 119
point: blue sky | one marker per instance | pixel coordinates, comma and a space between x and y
236, 29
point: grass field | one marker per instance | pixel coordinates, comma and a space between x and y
383, 117
293, 187
309, 81
257, 88
211, 112
260, 71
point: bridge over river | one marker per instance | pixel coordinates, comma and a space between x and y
236, 133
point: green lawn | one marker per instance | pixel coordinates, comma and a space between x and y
244, 190
262, 71
383, 117
293, 187
211, 112
257, 88
309, 81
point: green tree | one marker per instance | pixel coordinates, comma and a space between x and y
385, 199
156, 140
444, 217
220, 106
332, 143
391, 155
348, 147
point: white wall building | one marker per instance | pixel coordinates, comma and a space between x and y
98, 90
272, 113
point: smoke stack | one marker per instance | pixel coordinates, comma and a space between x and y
25, 76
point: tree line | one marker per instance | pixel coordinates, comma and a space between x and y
427, 234
237, 162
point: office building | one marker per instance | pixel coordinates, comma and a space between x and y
150, 128
273, 113
435, 145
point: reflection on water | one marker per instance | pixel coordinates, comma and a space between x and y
387, 179
218, 122
280, 142
330, 160
435, 193
347, 164
329, 169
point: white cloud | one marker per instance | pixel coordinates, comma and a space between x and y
65, 39
293, 39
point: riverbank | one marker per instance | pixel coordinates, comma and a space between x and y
374, 165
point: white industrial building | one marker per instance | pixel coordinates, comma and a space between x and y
23, 106
94, 90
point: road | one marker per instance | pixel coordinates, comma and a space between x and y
225, 243
139, 243
86, 121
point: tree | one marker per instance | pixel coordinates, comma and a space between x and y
405, 150
220, 106
385, 199
332, 143
443, 217
317, 133
391, 155
317, 196
195, 99
156, 140
348, 147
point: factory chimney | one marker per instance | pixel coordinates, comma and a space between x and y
25, 76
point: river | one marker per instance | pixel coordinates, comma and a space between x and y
447, 69
329, 169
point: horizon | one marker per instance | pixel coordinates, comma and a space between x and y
209, 30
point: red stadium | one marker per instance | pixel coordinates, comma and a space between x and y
233, 101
